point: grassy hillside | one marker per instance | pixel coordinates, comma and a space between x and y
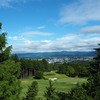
62, 84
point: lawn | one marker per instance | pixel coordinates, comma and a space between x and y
62, 84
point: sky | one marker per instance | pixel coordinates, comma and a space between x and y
51, 25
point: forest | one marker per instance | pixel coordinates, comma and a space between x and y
13, 70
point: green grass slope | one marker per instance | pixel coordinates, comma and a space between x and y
62, 84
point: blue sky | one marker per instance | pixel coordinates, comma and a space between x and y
51, 25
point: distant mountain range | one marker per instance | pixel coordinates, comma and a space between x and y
55, 54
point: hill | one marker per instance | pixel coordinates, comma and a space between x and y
55, 54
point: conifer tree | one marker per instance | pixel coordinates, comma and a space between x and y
15, 58
9, 72
94, 79
50, 94
32, 91
4, 51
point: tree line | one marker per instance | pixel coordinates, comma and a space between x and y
72, 69
29, 66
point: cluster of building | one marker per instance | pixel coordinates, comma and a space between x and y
69, 59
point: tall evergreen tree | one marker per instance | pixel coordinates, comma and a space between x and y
9, 72
4, 51
46, 64
94, 79
50, 94
32, 91
15, 58
9, 84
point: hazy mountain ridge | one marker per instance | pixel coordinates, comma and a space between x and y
55, 54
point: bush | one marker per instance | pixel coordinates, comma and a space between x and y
73, 75
78, 93
39, 75
70, 70
63, 96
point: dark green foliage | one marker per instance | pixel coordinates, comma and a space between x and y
0, 25
94, 78
9, 72
32, 91
9, 85
62, 68
63, 96
78, 93
46, 64
65, 68
39, 75
50, 94
70, 70
15, 58
79, 68
54, 66
29, 67
4, 51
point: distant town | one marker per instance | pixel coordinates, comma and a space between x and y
68, 59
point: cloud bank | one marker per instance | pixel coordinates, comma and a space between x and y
91, 29
69, 42
37, 33
80, 12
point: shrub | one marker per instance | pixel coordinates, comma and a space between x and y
73, 75
70, 70
63, 96
39, 75
78, 93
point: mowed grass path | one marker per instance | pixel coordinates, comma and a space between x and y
62, 84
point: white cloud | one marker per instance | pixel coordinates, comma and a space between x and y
80, 12
33, 46
74, 43
41, 27
19, 39
7, 3
68, 37
91, 29
9, 37
37, 33
13, 38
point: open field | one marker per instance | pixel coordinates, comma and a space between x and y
62, 84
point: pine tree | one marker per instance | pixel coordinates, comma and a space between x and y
32, 91
9, 84
94, 79
15, 58
50, 94
46, 64
9, 72
4, 51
